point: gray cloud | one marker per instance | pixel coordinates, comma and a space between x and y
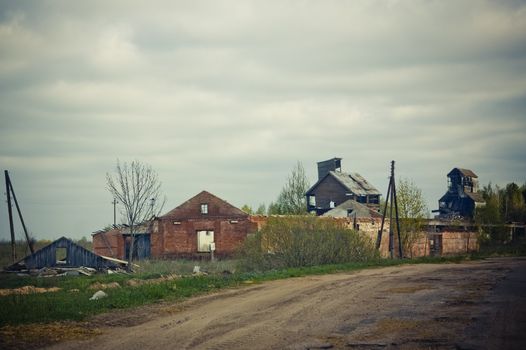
226, 96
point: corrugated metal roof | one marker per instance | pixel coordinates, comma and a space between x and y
352, 208
355, 183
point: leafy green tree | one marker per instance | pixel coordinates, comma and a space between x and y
514, 206
291, 200
490, 217
247, 209
273, 209
491, 212
261, 210
295, 241
412, 212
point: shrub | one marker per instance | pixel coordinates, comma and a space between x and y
297, 241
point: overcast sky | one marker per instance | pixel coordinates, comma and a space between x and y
227, 96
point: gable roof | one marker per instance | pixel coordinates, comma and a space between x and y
465, 172
76, 256
217, 207
351, 208
353, 182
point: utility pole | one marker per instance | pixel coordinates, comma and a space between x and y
114, 212
10, 213
152, 204
29, 243
11, 190
391, 196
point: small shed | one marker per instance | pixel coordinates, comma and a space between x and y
63, 253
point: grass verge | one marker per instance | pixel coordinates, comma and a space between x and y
72, 301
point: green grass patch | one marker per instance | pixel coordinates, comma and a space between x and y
75, 305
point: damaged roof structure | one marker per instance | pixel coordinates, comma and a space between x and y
64, 253
462, 196
353, 209
335, 187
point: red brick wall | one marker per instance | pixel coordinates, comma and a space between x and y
115, 241
453, 242
179, 237
217, 207
175, 234
459, 242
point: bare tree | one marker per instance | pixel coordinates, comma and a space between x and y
137, 187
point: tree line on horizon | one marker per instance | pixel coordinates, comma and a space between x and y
503, 204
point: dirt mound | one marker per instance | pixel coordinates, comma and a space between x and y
98, 285
27, 290
134, 282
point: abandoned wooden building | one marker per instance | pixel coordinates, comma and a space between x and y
462, 196
64, 253
203, 223
335, 187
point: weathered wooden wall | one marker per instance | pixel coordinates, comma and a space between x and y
76, 256
329, 190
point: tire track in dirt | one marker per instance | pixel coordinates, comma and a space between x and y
404, 307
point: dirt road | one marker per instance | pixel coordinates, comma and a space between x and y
448, 306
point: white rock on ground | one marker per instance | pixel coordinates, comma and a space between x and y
98, 295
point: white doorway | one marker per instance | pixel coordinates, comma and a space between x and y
204, 239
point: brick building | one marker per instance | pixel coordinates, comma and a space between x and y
189, 229
203, 222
